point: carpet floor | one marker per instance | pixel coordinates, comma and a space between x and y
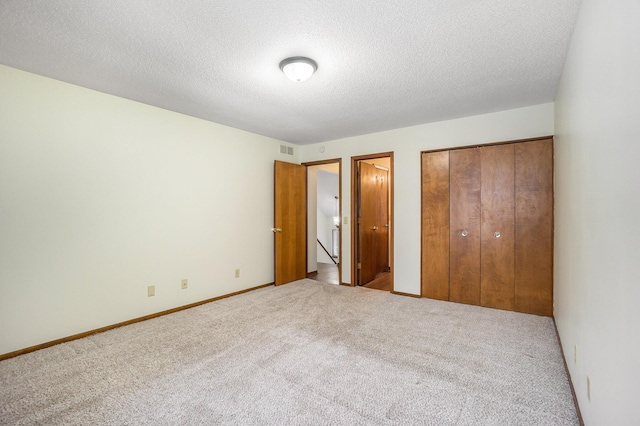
303, 353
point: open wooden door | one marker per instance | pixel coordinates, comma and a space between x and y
382, 232
290, 227
373, 217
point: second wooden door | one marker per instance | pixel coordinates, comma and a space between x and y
373, 218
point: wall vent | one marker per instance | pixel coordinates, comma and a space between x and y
286, 150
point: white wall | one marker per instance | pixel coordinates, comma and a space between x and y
312, 219
325, 225
101, 197
597, 247
328, 189
407, 143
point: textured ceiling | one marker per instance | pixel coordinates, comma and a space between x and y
382, 64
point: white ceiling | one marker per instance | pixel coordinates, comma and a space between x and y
382, 64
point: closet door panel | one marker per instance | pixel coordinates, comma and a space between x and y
435, 225
534, 227
498, 227
464, 284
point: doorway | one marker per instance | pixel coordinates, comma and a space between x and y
372, 230
324, 236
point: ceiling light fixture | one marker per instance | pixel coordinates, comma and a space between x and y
298, 68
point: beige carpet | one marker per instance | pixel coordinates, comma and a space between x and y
303, 353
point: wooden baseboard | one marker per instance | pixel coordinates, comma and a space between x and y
122, 324
312, 274
399, 293
566, 369
346, 284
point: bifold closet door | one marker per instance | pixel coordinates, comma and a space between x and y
497, 247
487, 226
435, 225
534, 227
465, 172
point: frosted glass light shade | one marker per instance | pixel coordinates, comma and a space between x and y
298, 68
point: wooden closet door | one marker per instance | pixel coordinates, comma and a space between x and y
534, 227
498, 227
435, 225
465, 171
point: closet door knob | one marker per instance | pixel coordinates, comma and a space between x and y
497, 234
464, 233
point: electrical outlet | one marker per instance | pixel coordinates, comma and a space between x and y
237, 273
151, 290
185, 283
588, 388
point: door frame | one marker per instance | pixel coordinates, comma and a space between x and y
320, 163
355, 243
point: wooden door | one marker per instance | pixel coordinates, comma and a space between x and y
435, 225
497, 244
290, 227
370, 198
382, 219
465, 218
534, 227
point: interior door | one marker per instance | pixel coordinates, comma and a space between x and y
290, 227
435, 225
367, 221
497, 246
373, 221
382, 218
534, 227
464, 260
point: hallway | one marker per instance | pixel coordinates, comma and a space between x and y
328, 273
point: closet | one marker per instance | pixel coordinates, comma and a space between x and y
487, 225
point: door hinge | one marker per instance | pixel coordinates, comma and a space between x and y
359, 265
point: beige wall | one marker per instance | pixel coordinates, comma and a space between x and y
101, 197
597, 247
